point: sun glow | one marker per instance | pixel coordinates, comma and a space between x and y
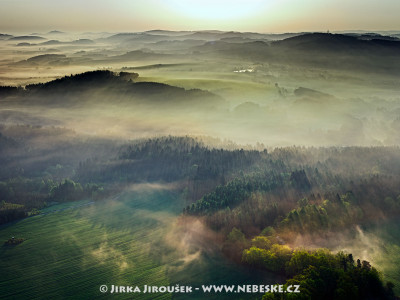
222, 9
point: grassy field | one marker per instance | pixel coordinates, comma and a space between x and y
386, 252
72, 252
376, 242
234, 87
72, 249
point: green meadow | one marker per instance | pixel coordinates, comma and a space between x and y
384, 246
72, 249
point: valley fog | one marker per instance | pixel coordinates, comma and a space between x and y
313, 89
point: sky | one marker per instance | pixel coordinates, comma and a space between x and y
238, 15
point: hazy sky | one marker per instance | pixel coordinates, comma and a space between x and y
240, 15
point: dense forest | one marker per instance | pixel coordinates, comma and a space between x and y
259, 200
319, 273
114, 87
310, 185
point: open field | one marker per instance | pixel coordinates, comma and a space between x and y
70, 253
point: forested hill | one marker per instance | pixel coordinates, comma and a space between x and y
323, 50
104, 86
215, 179
168, 159
334, 43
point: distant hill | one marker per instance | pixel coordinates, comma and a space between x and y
51, 42
154, 36
83, 42
324, 42
204, 35
55, 32
138, 55
147, 38
375, 36
340, 51
313, 97
27, 38
257, 50
76, 42
166, 32
136, 39
5, 36
123, 35
113, 88
337, 51
24, 44
302, 91
176, 45
281, 36
46, 57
